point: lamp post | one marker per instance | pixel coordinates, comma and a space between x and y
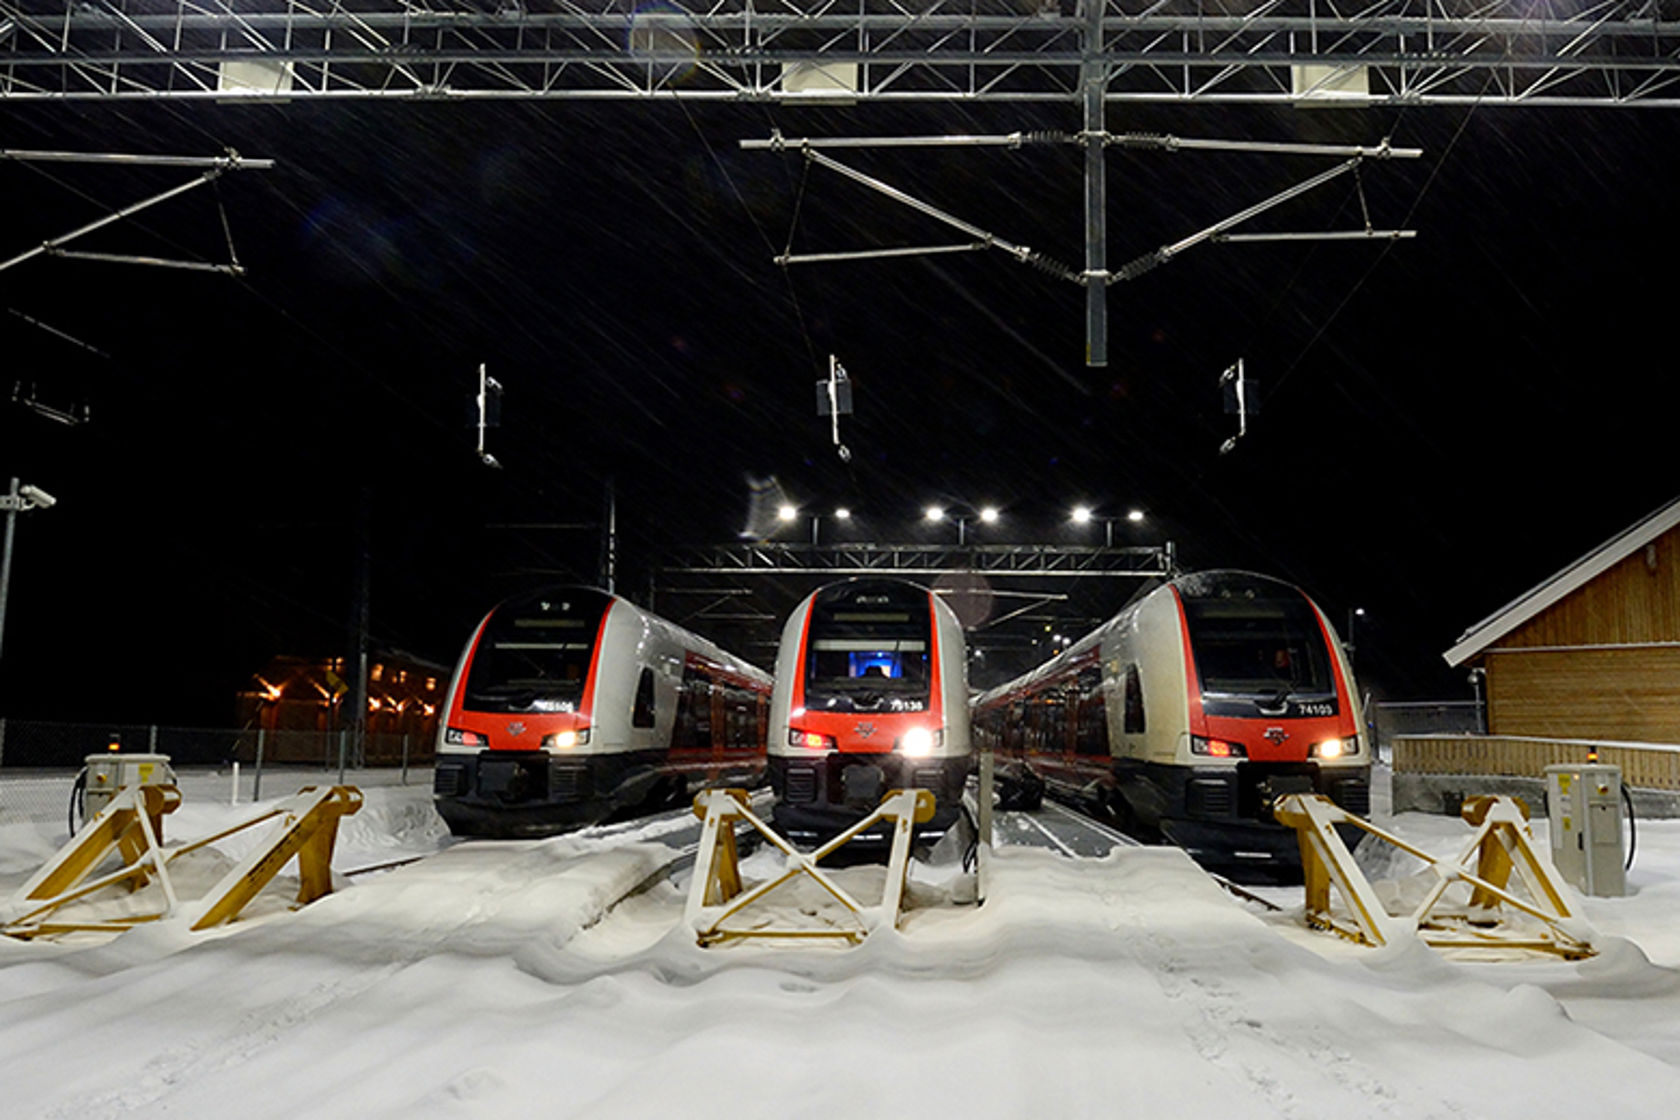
988, 515
790, 513
840, 514
1084, 515
1353, 613
17, 500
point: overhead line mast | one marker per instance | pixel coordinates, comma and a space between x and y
1096, 276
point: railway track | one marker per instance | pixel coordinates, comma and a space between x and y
1078, 835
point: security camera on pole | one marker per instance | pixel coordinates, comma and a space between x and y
17, 500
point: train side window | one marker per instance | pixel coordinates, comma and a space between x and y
1090, 683
1134, 719
1092, 730
642, 714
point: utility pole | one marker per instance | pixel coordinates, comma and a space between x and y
609, 540
1093, 81
12, 503
16, 500
360, 615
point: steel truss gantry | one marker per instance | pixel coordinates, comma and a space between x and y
1383, 52
922, 560
1007, 595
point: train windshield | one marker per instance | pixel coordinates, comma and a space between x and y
869, 649
1259, 641
535, 651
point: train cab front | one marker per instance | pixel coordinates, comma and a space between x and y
1271, 714
866, 715
516, 755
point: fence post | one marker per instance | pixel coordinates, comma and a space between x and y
256, 779
151, 739
343, 745
405, 759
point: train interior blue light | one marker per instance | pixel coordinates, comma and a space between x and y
882, 664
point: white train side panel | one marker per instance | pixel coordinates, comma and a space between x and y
1190, 713
570, 704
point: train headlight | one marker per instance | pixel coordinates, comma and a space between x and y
461, 737
919, 742
1217, 748
566, 740
810, 740
1336, 748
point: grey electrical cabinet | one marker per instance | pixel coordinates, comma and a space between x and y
1584, 808
109, 772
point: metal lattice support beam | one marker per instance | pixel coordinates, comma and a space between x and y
1011, 598
1439, 52
916, 560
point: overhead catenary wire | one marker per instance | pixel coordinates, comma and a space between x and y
811, 350
1370, 269
403, 399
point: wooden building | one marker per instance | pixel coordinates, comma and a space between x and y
301, 703
1593, 653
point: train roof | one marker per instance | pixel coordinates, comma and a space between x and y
1209, 583
699, 642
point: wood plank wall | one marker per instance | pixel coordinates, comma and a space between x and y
1541, 681
1642, 767
1625, 694
1637, 600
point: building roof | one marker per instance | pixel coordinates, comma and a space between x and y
1564, 583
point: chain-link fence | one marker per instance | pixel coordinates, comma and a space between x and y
1425, 717
36, 797
39, 762
38, 744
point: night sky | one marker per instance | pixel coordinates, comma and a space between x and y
1446, 421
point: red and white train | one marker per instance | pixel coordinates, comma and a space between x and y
570, 704
871, 695
1189, 714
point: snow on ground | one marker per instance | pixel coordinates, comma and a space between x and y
492, 980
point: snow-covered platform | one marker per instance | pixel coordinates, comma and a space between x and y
493, 980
